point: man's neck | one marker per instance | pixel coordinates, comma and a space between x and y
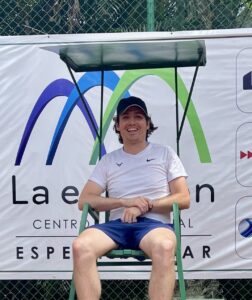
135, 148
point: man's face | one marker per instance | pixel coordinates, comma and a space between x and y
133, 125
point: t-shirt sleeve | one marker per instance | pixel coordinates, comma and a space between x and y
175, 167
99, 174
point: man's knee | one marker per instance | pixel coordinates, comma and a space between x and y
82, 248
163, 251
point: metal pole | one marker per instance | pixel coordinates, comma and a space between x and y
101, 113
189, 96
150, 15
84, 103
177, 109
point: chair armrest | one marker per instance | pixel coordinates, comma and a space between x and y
176, 220
87, 209
94, 214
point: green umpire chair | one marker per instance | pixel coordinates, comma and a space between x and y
121, 52
125, 254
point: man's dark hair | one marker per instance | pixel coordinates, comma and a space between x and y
149, 131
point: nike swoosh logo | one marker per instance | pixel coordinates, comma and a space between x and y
119, 164
150, 159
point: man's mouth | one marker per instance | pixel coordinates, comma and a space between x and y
132, 129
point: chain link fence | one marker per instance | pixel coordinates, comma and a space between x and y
125, 289
31, 17
21, 17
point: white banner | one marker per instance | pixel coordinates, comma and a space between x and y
48, 151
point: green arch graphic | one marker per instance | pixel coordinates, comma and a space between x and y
127, 80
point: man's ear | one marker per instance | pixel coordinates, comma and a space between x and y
117, 126
148, 124
115, 119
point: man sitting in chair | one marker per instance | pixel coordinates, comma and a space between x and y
143, 180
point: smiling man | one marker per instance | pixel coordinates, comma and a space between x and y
143, 180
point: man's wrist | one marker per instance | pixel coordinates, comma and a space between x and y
122, 202
151, 206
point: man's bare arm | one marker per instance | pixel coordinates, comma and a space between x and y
179, 193
91, 194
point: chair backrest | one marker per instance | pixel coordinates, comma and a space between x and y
107, 214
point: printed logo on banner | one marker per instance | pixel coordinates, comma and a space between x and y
247, 81
244, 80
243, 220
244, 154
119, 86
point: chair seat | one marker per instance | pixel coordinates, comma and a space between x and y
143, 259
126, 253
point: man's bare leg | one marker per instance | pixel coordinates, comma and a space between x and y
160, 244
91, 244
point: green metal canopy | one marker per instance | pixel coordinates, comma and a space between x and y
125, 55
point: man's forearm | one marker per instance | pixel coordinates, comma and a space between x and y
164, 204
100, 203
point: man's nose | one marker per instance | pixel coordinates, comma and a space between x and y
132, 120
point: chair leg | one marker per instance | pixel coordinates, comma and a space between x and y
72, 292
181, 280
176, 220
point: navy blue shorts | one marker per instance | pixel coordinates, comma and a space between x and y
129, 235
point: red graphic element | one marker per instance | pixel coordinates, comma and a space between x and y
244, 154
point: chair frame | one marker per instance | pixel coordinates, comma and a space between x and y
107, 55
129, 253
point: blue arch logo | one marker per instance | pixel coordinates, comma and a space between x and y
119, 88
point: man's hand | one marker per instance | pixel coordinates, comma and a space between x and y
130, 214
142, 203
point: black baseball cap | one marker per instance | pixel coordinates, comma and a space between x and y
126, 103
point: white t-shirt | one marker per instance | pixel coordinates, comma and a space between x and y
146, 173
